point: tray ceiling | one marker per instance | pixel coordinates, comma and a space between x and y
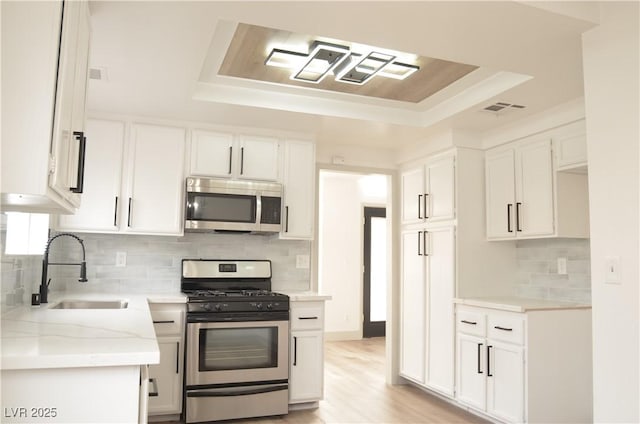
251, 44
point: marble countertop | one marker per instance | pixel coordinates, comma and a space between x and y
519, 304
35, 337
306, 296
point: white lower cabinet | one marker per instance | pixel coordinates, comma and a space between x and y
427, 321
533, 366
306, 356
165, 378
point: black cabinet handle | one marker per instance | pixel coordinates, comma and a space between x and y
115, 213
230, 158
286, 220
177, 356
424, 242
509, 206
129, 214
497, 327
308, 318
295, 351
419, 206
479, 349
469, 322
79, 135
164, 322
518, 216
489, 361
241, 160
419, 237
424, 206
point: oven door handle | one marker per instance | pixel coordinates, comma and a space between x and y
243, 392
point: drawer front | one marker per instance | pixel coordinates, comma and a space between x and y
307, 315
167, 321
471, 322
506, 327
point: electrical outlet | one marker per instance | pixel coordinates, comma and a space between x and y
121, 259
562, 266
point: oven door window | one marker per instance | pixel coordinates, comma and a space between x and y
238, 348
221, 207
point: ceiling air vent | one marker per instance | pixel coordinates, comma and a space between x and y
501, 107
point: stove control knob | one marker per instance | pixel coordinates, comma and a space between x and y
269, 306
206, 307
217, 307
259, 305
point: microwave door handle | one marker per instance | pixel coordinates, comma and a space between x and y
258, 210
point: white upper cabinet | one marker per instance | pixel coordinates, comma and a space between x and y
527, 198
299, 170
103, 180
211, 154
428, 191
571, 148
259, 158
412, 186
440, 189
500, 193
44, 77
155, 180
534, 189
133, 185
226, 155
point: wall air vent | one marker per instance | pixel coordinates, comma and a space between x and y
501, 107
99, 74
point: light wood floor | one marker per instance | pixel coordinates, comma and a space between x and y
356, 392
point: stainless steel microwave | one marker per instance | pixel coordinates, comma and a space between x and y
233, 205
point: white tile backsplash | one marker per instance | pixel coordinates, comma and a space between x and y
538, 276
153, 262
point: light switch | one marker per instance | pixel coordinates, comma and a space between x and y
612, 270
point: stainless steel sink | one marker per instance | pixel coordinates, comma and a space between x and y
91, 304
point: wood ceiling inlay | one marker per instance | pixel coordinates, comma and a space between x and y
251, 44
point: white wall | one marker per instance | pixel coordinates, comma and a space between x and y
340, 250
611, 73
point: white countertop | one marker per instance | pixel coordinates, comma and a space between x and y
306, 296
36, 337
519, 304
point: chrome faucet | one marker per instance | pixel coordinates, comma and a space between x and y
44, 283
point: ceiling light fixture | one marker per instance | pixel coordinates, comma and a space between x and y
348, 67
398, 70
322, 59
367, 67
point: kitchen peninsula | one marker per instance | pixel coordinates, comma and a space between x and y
74, 365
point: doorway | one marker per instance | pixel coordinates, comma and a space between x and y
375, 272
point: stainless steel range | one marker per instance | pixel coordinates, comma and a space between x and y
237, 341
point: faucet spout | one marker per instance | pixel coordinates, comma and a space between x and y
44, 282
